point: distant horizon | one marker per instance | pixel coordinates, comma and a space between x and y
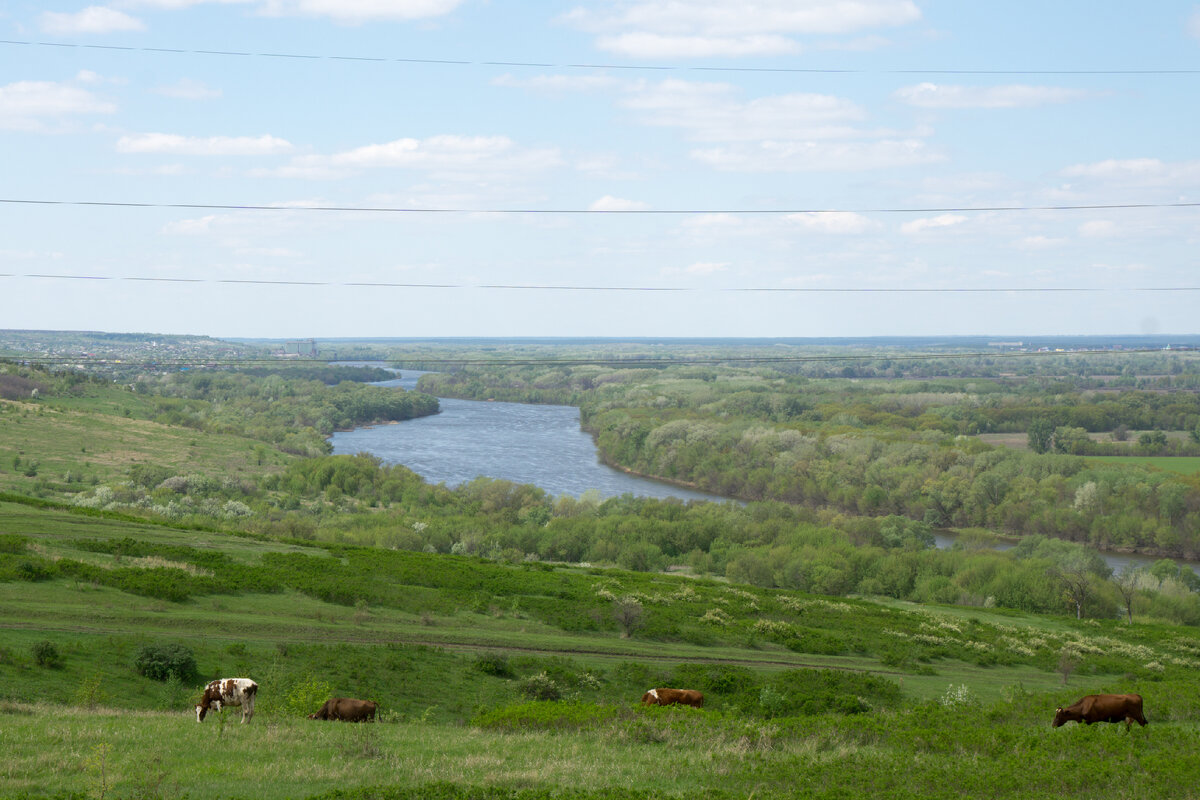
999, 340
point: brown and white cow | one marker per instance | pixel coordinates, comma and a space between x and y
666, 697
347, 709
1125, 708
228, 692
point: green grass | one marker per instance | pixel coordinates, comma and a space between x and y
83, 438
1184, 465
90, 726
1005, 749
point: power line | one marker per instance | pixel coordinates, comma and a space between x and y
594, 211
631, 67
591, 288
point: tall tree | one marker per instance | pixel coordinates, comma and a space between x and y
1041, 434
1126, 582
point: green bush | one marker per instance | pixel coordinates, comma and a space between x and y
494, 664
33, 571
45, 654
13, 543
161, 662
307, 697
540, 687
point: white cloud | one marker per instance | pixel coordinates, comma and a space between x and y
699, 28
932, 95
932, 223
177, 5
160, 170
610, 203
558, 83
350, 12
447, 154
267, 252
1039, 242
1116, 168
358, 11
711, 113
187, 89
191, 227
1193, 24
1141, 172
836, 222
1097, 229
27, 105
657, 45
175, 144
93, 19
808, 156
698, 268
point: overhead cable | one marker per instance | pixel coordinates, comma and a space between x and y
591, 211
552, 65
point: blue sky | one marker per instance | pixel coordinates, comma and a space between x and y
900, 117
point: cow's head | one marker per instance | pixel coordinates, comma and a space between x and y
204, 706
1060, 716
650, 697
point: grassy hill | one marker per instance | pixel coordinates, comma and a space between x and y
806, 696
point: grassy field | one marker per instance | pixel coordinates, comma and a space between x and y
806, 696
80, 440
1184, 465
1003, 749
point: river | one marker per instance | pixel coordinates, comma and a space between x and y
538, 444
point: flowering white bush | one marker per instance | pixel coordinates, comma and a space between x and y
957, 696
716, 616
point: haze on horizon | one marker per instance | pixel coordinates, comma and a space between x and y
532, 158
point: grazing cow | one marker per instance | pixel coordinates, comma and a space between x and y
666, 697
228, 692
1125, 708
347, 709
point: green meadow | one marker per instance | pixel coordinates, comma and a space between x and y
514, 681
1184, 465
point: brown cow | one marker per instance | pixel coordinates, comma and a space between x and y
228, 692
1125, 708
666, 697
347, 709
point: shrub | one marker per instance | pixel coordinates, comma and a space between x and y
45, 654
307, 697
33, 571
161, 662
13, 543
494, 664
540, 687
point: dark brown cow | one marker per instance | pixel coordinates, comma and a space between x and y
666, 697
347, 709
1125, 708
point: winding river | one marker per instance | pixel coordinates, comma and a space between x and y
538, 444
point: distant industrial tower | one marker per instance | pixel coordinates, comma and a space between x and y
298, 343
